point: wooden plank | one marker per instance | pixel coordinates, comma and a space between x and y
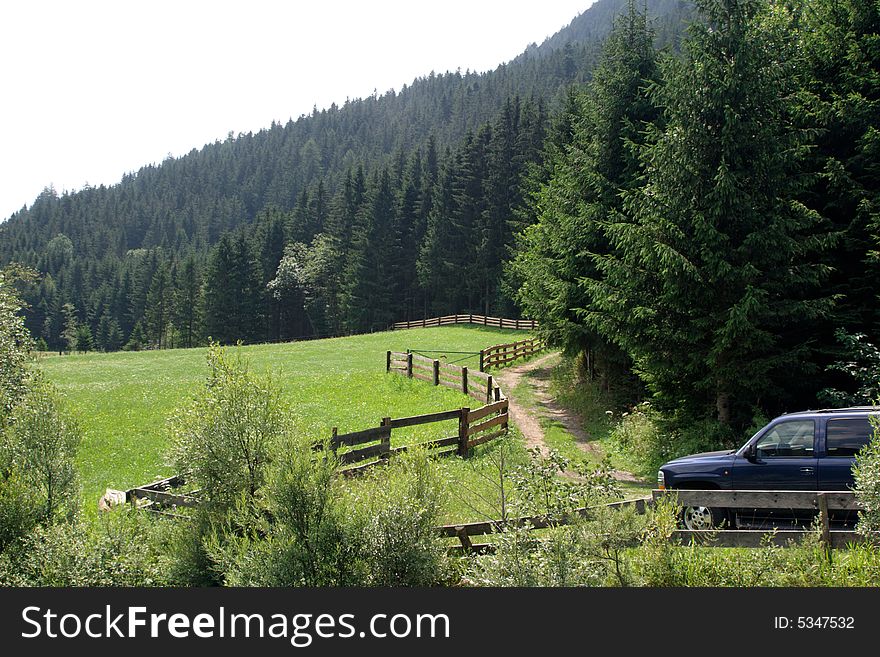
429, 445
761, 499
481, 377
485, 411
424, 419
541, 521
398, 355
485, 438
359, 469
463, 446
357, 455
824, 519
442, 442
423, 377
359, 437
418, 358
455, 385
488, 424
163, 498
476, 548
173, 481
479, 395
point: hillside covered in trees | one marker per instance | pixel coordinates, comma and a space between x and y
382, 209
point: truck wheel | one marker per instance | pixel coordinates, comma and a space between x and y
702, 517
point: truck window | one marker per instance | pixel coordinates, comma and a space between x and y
793, 438
847, 436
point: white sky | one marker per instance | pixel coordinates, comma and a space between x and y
93, 89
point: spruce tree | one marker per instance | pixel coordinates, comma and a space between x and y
590, 159
711, 284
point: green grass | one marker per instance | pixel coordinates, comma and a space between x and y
123, 400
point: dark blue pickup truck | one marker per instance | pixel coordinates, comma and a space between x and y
811, 450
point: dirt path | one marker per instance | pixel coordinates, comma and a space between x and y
529, 421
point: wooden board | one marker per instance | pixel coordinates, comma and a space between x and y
761, 499
488, 409
488, 424
363, 454
360, 437
758, 538
425, 419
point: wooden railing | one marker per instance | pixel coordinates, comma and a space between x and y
476, 384
501, 354
463, 531
820, 502
482, 320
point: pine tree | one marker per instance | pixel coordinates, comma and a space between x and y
70, 324
157, 314
233, 291
187, 301
712, 285
590, 159
843, 82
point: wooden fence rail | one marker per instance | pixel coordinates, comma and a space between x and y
501, 354
448, 320
463, 531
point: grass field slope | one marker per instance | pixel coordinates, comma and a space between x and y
123, 400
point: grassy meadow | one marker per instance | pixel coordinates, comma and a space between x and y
124, 399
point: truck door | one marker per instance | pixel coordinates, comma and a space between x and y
844, 437
785, 459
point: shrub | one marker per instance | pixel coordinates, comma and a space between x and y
866, 472
649, 440
401, 546
223, 440
42, 441
124, 549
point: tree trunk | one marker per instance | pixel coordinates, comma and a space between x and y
722, 404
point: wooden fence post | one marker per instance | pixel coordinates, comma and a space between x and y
489, 385
409, 368
386, 440
463, 432
436, 372
464, 381
482, 359
826, 525
388, 362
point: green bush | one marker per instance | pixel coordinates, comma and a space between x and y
223, 440
317, 531
866, 472
647, 439
123, 549
401, 545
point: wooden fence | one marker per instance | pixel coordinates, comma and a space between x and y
372, 447
448, 320
501, 354
820, 502
472, 429
463, 531
474, 383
